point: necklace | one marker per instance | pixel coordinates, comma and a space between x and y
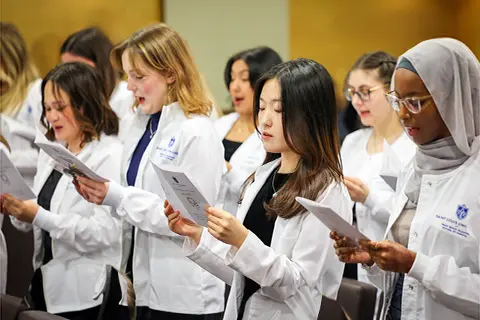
152, 133
273, 184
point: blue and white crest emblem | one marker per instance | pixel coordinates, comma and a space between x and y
172, 142
462, 211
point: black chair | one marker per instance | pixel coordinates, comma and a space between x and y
10, 307
38, 315
355, 301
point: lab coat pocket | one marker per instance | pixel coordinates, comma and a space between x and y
59, 285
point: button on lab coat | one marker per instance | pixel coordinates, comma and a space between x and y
245, 160
164, 279
444, 281
294, 272
85, 237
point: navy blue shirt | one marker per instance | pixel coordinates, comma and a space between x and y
142, 145
132, 172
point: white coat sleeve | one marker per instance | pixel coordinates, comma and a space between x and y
25, 160
454, 287
209, 254
313, 256
202, 160
90, 233
235, 179
380, 200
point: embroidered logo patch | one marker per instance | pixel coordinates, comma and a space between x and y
462, 211
172, 142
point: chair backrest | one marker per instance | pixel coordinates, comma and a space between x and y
10, 306
38, 315
20, 254
357, 299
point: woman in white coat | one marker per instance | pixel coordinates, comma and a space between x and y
171, 127
93, 47
276, 255
20, 103
244, 151
73, 239
429, 265
363, 151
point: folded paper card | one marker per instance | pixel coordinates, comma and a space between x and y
11, 181
65, 161
182, 194
331, 220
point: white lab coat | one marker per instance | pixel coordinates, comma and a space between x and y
164, 279
373, 214
3, 247
24, 155
294, 272
245, 160
85, 236
444, 281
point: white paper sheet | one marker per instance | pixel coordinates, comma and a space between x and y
65, 161
331, 220
11, 181
16, 128
182, 194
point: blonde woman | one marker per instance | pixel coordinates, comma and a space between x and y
171, 126
20, 102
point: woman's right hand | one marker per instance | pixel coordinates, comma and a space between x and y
350, 252
182, 226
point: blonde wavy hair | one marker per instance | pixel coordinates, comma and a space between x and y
160, 48
17, 69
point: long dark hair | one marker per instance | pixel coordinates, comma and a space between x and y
94, 45
309, 117
259, 60
85, 88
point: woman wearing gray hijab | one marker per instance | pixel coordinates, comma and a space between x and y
429, 264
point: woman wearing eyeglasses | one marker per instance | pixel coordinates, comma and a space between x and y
430, 263
363, 150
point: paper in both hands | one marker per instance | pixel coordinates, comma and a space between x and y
182, 194
331, 220
11, 180
65, 161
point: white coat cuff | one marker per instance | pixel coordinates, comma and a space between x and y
419, 267
114, 195
191, 249
44, 220
247, 255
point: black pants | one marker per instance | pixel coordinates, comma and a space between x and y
144, 313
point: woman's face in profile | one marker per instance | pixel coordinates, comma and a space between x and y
427, 125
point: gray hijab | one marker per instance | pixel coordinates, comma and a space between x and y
451, 73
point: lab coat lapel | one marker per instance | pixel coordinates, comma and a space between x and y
260, 176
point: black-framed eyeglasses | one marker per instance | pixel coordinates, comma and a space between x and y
363, 94
413, 104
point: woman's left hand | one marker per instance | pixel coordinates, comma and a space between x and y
92, 191
357, 189
389, 255
225, 227
22, 210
